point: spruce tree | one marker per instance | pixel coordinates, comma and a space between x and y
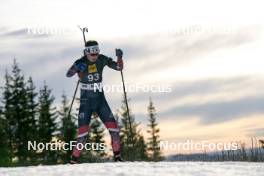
8, 121
46, 123
132, 143
261, 143
18, 116
153, 144
127, 135
31, 117
141, 148
5, 159
68, 127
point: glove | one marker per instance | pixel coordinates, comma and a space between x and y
119, 53
80, 74
120, 64
80, 67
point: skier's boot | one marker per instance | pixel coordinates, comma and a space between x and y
117, 157
74, 160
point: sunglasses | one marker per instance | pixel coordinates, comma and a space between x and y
94, 54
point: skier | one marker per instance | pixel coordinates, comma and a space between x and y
89, 69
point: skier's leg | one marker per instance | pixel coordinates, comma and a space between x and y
84, 118
110, 123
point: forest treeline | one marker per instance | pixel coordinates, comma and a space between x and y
28, 114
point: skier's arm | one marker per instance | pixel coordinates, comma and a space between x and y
76, 68
71, 71
116, 65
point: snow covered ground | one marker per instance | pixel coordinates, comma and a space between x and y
140, 169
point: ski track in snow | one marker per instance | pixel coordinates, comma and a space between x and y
141, 169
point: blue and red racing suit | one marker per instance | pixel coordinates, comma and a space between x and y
92, 99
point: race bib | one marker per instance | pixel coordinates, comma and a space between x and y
92, 68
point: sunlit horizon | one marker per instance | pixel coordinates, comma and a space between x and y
213, 63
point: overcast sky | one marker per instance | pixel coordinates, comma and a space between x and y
209, 52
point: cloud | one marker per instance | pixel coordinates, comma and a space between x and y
22, 33
151, 51
49, 59
182, 89
221, 110
186, 93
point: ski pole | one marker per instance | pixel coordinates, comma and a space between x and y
85, 29
128, 115
69, 112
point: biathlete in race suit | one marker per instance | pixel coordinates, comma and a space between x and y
92, 99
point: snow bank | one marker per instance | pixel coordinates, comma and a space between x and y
141, 169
